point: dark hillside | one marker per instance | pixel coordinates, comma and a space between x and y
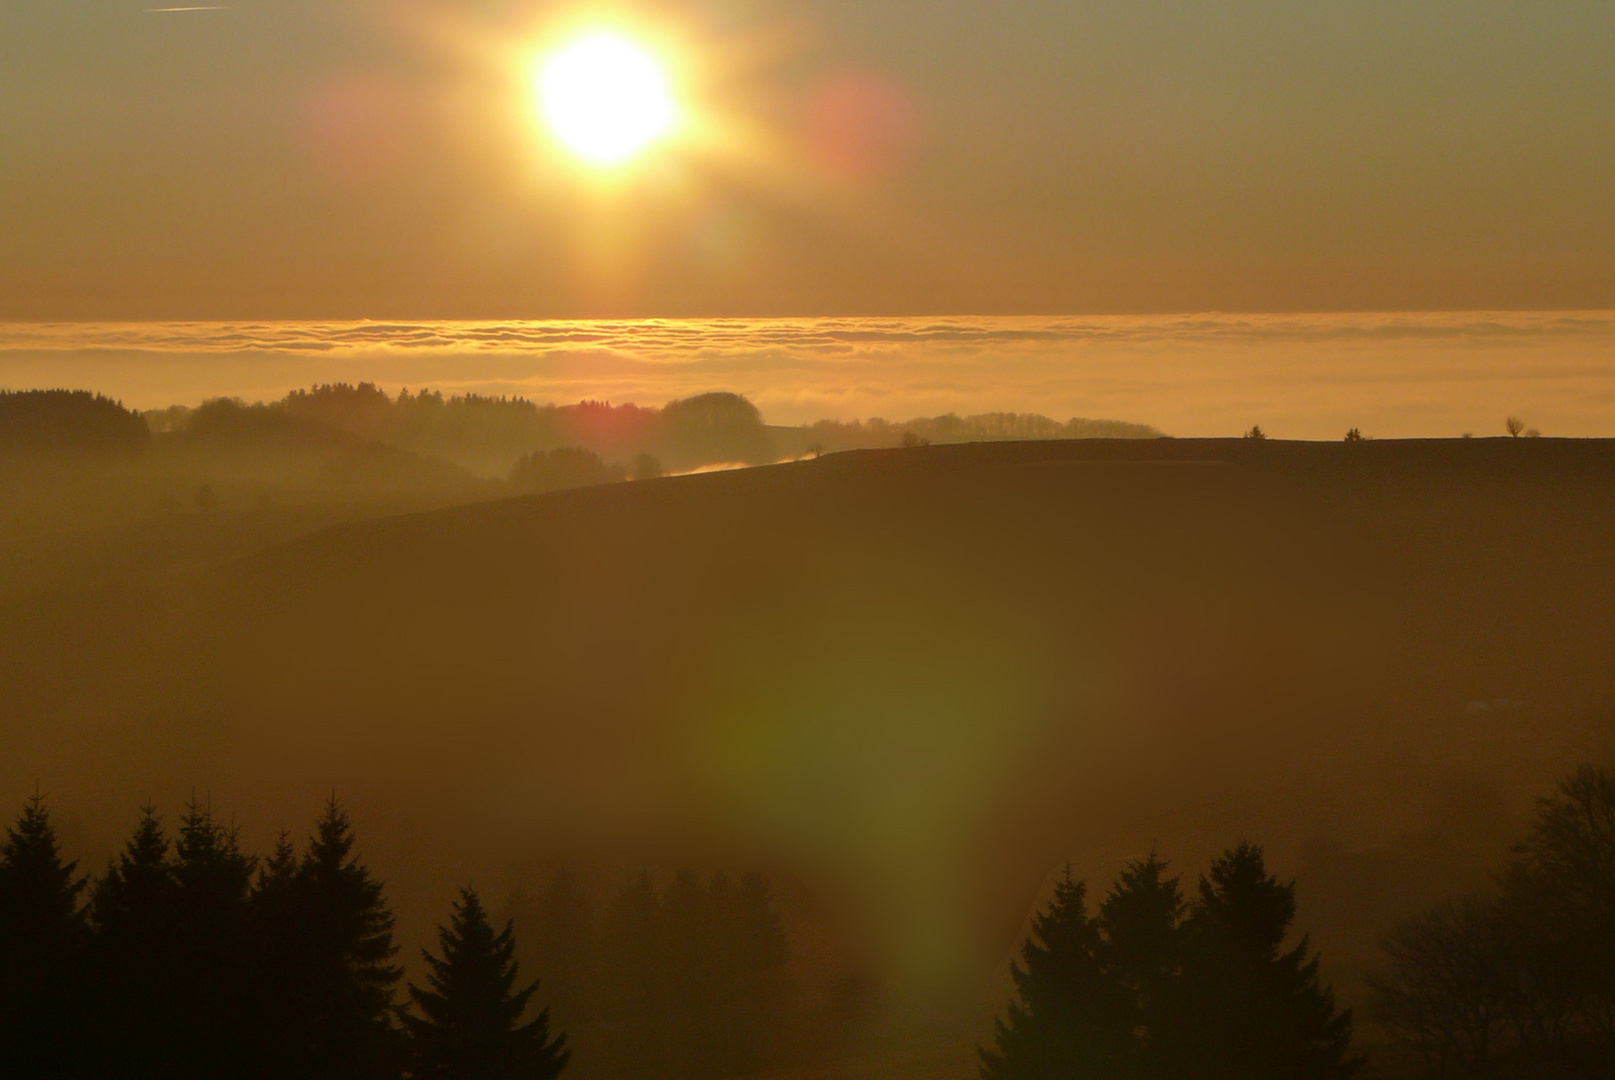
916, 680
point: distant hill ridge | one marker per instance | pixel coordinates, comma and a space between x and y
67, 420
489, 434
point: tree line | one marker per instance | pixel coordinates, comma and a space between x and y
56, 421
678, 979
1153, 983
1519, 982
189, 958
1156, 984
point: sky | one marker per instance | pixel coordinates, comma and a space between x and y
1306, 376
386, 159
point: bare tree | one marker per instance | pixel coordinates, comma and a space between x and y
1441, 992
1525, 978
1515, 426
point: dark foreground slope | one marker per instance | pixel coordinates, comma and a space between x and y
916, 680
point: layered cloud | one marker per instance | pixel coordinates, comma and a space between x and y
1297, 375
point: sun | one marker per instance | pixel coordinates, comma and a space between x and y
605, 98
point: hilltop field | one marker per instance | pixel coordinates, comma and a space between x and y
909, 682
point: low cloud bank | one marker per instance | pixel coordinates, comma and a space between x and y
1303, 376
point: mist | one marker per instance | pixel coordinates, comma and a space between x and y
905, 686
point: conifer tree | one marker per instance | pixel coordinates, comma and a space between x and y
705, 1021
631, 940
686, 962
763, 949
212, 954
755, 986
278, 994
42, 942
631, 998
274, 893
133, 957
1141, 924
1251, 1010
1063, 1027
345, 935
468, 1019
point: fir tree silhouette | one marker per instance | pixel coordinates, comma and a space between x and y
135, 996
468, 1020
1064, 1025
1142, 952
1248, 1008
278, 995
753, 951
631, 950
212, 876
1152, 990
343, 946
631, 995
42, 943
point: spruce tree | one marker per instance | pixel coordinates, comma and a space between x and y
212, 876
1064, 1025
631, 996
755, 953
763, 949
1141, 924
688, 971
345, 945
133, 957
42, 942
278, 993
631, 950
1250, 1009
467, 1023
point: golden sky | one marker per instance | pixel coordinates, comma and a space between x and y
1307, 376
339, 159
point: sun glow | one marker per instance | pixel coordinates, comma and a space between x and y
605, 98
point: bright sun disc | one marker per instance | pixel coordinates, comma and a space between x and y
605, 98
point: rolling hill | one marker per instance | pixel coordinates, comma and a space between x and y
915, 681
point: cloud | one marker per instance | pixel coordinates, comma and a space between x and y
674, 338
1298, 375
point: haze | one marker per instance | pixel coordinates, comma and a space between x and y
293, 159
879, 540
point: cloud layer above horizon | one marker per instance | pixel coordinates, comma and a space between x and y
1301, 376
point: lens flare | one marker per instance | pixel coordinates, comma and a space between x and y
605, 98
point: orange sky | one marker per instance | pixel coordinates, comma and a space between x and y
1299, 376
362, 158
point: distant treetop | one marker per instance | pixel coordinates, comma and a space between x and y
67, 421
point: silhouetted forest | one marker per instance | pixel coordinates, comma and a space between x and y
190, 957
68, 420
1158, 984
96, 490
568, 467
684, 979
1519, 982
983, 427
488, 434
